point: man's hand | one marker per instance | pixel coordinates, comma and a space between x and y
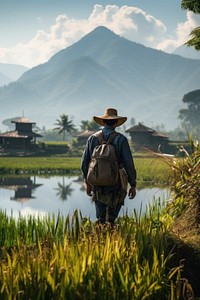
88, 189
132, 192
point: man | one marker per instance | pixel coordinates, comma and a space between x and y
106, 199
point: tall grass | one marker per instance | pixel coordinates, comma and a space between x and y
185, 180
58, 258
152, 170
71, 258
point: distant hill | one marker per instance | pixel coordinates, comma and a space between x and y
103, 70
4, 79
10, 72
188, 52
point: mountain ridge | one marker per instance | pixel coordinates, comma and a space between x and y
103, 69
10, 73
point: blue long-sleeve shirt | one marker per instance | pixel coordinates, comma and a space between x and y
122, 149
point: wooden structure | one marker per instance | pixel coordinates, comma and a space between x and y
144, 137
82, 136
22, 137
22, 187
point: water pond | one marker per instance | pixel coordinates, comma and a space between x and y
40, 196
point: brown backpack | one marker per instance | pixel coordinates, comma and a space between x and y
103, 168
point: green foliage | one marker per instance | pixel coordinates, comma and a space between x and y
64, 125
39, 165
190, 116
185, 180
71, 258
151, 171
75, 259
195, 39
89, 125
194, 6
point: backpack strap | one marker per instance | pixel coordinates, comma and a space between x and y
99, 136
111, 137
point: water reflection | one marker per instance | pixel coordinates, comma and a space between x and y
64, 190
50, 195
22, 187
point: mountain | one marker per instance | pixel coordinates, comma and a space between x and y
10, 72
103, 70
188, 52
4, 79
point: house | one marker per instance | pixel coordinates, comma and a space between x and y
22, 138
143, 137
22, 187
82, 136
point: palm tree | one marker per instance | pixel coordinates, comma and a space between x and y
63, 191
89, 125
64, 125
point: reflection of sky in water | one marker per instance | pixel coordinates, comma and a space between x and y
52, 198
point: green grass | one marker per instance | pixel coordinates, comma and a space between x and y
72, 258
150, 171
37, 165
57, 258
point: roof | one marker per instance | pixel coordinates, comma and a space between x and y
142, 128
159, 135
16, 187
16, 183
85, 133
18, 135
22, 120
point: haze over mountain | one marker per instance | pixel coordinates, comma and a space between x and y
188, 52
103, 70
10, 72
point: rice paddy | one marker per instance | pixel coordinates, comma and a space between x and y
39, 165
150, 171
73, 258
61, 258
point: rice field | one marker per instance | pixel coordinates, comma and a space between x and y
150, 170
39, 165
57, 258
73, 258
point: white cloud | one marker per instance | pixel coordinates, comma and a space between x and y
130, 22
181, 33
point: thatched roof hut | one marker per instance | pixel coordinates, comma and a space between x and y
145, 137
22, 137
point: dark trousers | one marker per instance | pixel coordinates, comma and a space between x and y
105, 213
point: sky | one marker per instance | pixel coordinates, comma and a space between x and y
32, 31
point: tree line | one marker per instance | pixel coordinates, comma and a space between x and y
189, 117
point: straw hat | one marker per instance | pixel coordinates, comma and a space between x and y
110, 114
